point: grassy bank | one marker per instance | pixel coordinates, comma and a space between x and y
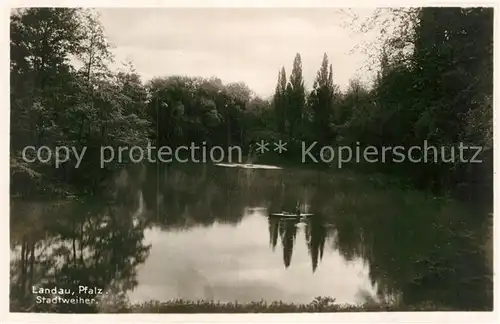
318, 305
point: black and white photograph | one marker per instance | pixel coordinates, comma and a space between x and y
180, 160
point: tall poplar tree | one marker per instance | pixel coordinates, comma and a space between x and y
280, 101
323, 94
296, 98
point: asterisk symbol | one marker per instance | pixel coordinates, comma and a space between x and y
280, 147
262, 147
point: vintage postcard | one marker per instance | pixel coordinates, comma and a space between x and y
251, 160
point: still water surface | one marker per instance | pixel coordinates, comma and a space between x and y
204, 232
238, 262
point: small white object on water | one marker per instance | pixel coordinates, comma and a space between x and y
248, 166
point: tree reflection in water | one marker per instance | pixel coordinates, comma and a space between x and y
79, 243
315, 237
417, 248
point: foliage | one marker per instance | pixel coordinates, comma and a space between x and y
54, 103
318, 305
434, 84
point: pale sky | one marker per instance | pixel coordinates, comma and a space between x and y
238, 44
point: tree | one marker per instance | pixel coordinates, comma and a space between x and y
434, 83
280, 101
42, 40
53, 103
322, 99
296, 98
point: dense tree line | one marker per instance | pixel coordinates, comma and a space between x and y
63, 93
434, 83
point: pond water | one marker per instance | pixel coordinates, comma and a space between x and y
242, 262
205, 232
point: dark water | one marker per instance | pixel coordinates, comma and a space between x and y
203, 232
